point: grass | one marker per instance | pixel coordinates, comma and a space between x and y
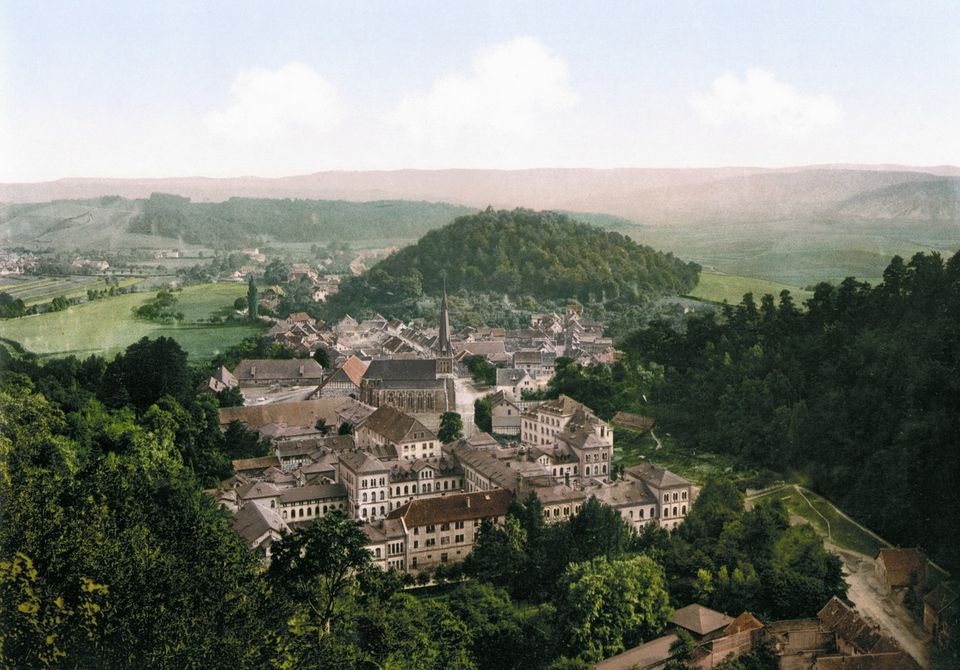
45, 289
719, 287
631, 447
108, 326
826, 519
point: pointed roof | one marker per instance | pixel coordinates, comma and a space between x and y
443, 338
699, 619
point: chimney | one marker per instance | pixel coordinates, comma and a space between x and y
468, 502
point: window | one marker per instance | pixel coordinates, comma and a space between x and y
378, 552
416, 544
683, 496
675, 497
641, 512
666, 497
683, 509
363, 484
674, 511
445, 540
431, 542
406, 490
458, 539
381, 495
458, 525
431, 528
363, 512
443, 558
445, 526
364, 497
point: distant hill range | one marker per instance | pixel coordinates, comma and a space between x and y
643, 196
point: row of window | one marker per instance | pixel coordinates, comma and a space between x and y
311, 511
445, 540
682, 496
373, 482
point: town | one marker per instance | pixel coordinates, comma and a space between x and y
364, 438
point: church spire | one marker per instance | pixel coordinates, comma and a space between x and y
443, 341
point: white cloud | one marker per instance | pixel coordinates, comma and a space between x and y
759, 99
511, 88
291, 102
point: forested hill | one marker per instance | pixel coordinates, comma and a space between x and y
543, 255
861, 392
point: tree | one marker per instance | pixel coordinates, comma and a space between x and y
322, 357
608, 606
451, 427
147, 370
276, 272
321, 426
482, 413
346, 428
252, 302
499, 557
318, 565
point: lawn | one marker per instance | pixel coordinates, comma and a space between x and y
719, 287
826, 519
108, 326
631, 447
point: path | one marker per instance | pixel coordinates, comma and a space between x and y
864, 591
656, 439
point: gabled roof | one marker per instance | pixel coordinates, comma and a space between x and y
355, 412
849, 625
456, 507
395, 425
261, 463
510, 376
653, 654
742, 623
699, 619
305, 369
902, 564
253, 521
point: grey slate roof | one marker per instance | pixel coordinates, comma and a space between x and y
305, 369
406, 370
313, 492
656, 476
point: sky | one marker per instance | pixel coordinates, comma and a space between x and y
153, 89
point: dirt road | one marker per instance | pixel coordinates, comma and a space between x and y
892, 617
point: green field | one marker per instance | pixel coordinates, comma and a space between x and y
826, 520
719, 287
108, 326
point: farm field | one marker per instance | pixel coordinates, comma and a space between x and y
715, 287
35, 290
826, 519
108, 326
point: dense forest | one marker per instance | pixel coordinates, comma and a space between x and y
860, 392
253, 219
111, 555
540, 256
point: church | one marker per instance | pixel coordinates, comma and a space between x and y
424, 386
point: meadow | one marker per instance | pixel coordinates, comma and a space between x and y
108, 326
826, 519
714, 287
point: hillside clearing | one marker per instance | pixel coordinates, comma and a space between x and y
108, 326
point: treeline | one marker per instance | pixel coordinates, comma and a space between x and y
253, 220
861, 392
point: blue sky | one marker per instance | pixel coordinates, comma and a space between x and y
237, 88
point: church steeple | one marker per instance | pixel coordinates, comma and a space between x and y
443, 340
